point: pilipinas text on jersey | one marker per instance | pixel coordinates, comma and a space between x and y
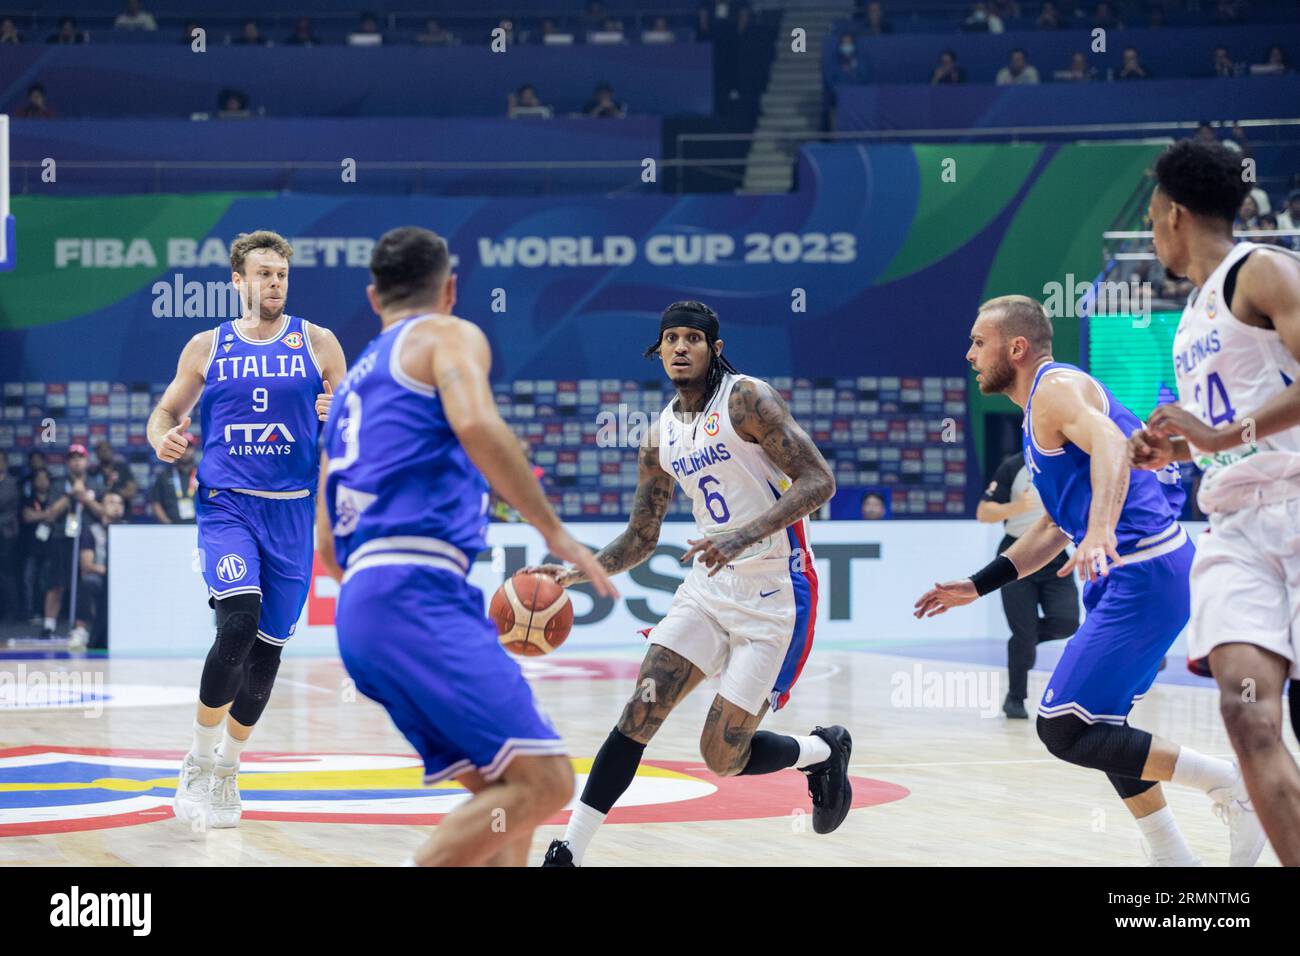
1063, 477
396, 468
258, 410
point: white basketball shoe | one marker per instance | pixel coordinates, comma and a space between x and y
1246, 837
226, 807
193, 790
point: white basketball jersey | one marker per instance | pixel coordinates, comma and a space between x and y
730, 481
1225, 370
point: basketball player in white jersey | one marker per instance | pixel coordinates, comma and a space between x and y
747, 606
1238, 418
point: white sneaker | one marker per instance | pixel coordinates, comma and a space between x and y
193, 790
226, 807
1153, 860
78, 638
1246, 837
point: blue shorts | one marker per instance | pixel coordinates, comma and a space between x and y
1134, 615
416, 640
252, 545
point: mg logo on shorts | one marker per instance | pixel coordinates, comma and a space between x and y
231, 568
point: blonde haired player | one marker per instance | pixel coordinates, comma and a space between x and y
1236, 356
747, 605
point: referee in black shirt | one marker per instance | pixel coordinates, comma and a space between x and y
1011, 499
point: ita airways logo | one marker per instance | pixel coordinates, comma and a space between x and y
62, 789
231, 568
293, 340
712, 424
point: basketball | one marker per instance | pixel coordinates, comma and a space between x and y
532, 614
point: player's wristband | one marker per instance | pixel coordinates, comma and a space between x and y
997, 573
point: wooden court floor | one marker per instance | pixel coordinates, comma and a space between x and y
328, 781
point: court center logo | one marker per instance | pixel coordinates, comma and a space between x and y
62, 789
231, 568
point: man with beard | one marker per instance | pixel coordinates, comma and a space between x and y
266, 380
747, 606
1133, 555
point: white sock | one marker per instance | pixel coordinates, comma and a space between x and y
812, 750
228, 755
50, 623
1167, 844
409, 861
583, 824
205, 741
1193, 769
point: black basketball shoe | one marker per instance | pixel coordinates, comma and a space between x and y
558, 854
828, 781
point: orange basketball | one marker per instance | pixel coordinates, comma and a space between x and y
532, 614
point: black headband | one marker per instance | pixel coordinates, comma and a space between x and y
684, 318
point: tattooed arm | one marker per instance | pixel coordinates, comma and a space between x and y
1068, 408
654, 490
760, 415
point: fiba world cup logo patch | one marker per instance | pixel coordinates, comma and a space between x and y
1211, 304
231, 568
293, 340
712, 424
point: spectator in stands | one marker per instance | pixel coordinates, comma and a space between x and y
1132, 68
1275, 58
302, 34
35, 462
1267, 222
107, 461
86, 489
873, 507
1105, 18
367, 33
1048, 17
126, 487
1018, 71
92, 584
1227, 13
9, 31
604, 106
11, 502
232, 104
1079, 71
1248, 215
171, 499
434, 35
876, 24
947, 73
846, 59
980, 20
1290, 216
661, 32
249, 35
1223, 65
67, 34
525, 99
36, 107
134, 18
45, 518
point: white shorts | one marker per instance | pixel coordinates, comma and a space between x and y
754, 627
1246, 583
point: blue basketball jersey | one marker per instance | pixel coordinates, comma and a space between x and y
1063, 479
399, 480
258, 411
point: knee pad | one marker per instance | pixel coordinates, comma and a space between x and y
1129, 786
1119, 750
237, 619
259, 677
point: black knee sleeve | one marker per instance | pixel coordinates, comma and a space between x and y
223, 671
1119, 750
1129, 786
612, 771
259, 677
1293, 696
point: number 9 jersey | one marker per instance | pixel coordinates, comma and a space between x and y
1225, 369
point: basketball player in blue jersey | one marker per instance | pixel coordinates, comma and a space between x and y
1133, 555
401, 517
265, 381
1237, 365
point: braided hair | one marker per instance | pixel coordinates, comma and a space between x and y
718, 365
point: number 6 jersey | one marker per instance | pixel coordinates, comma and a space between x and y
729, 481
1225, 370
